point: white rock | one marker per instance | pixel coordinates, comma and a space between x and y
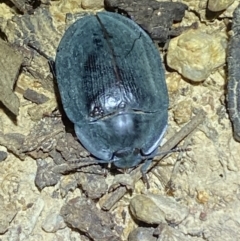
195, 54
92, 4
219, 5
156, 209
53, 222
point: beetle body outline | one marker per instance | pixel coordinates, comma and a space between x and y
112, 85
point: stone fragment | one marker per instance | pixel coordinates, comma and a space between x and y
10, 63
3, 155
37, 112
168, 233
219, 5
92, 4
142, 234
45, 175
155, 17
156, 209
93, 185
34, 96
26, 6
233, 87
82, 214
67, 183
53, 222
183, 112
13, 142
44, 135
195, 54
36, 37
35, 30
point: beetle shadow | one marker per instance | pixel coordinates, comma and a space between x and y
69, 126
8, 113
211, 16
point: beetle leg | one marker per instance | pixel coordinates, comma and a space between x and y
144, 170
51, 61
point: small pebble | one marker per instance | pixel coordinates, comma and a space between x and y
34, 96
144, 209
53, 222
195, 54
67, 183
3, 155
156, 209
142, 234
183, 112
233, 87
93, 185
92, 4
82, 215
173, 81
219, 5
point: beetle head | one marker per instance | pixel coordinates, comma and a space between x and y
125, 128
127, 158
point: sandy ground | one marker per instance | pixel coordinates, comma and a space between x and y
193, 195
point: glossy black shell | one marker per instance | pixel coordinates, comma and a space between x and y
112, 85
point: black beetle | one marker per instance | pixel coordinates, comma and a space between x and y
112, 85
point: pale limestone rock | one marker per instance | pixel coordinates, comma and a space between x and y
219, 5
142, 234
144, 209
10, 64
8, 211
156, 209
183, 112
92, 4
53, 222
195, 54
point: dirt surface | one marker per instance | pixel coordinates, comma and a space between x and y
51, 188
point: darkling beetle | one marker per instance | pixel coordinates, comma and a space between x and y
112, 86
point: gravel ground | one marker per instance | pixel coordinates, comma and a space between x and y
45, 194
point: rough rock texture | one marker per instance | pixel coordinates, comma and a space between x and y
9, 68
156, 18
92, 4
216, 6
195, 54
156, 209
35, 97
142, 234
82, 214
234, 75
35, 30
205, 179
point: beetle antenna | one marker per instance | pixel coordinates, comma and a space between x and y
51, 62
178, 149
